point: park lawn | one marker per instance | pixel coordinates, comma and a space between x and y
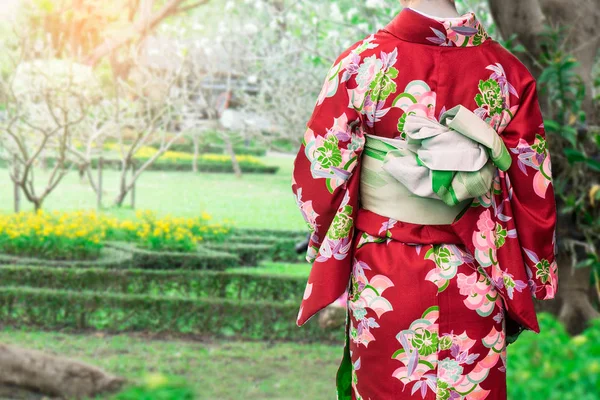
276, 268
254, 201
216, 369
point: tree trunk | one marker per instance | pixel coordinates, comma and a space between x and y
53, 376
234, 161
526, 19
196, 141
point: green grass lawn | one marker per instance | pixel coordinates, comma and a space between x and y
270, 268
216, 369
254, 201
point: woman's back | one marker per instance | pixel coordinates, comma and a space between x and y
427, 300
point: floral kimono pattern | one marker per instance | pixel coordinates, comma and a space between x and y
431, 308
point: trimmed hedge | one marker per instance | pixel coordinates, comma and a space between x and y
110, 257
249, 254
271, 233
191, 284
204, 258
186, 165
240, 150
280, 248
183, 165
61, 309
188, 147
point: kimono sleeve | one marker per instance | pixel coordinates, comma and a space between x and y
325, 164
532, 194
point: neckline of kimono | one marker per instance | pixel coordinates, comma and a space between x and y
436, 17
413, 26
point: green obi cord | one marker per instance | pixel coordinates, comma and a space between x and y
453, 160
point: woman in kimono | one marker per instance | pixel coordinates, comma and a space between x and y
425, 181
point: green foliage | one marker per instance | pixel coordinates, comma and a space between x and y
553, 366
108, 258
280, 248
249, 254
158, 387
204, 165
203, 258
53, 236
233, 285
512, 44
576, 146
270, 232
63, 309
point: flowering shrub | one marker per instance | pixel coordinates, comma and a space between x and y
146, 152
52, 235
79, 235
167, 233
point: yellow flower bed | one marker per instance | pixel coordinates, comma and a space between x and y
168, 233
79, 235
179, 156
52, 235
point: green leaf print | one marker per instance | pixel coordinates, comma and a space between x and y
341, 225
540, 145
443, 391
543, 270
425, 342
383, 85
480, 36
329, 154
500, 236
445, 342
490, 96
442, 255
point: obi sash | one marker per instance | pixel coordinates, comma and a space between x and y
433, 174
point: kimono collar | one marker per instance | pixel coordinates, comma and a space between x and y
412, 26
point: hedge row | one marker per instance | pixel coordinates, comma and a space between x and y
186, 165
204, 258
248, 254
110, 257
60, 309
182, 165
280, 248
191, 284
188, 147
271, 233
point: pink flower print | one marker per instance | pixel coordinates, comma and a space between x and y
480, 294
330, 85
367, 71
485, 222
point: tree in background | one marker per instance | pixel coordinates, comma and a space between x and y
561, 41
90, 30
43, 101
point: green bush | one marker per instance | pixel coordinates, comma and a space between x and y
300, 235
280, 248
186, 165
552, 365
209, 166
171, 283
203, 258
158, 387
109, 258
204, 165
249, 254
69, 310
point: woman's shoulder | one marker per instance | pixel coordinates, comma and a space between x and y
512, 64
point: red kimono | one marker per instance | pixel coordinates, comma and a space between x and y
429, 306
